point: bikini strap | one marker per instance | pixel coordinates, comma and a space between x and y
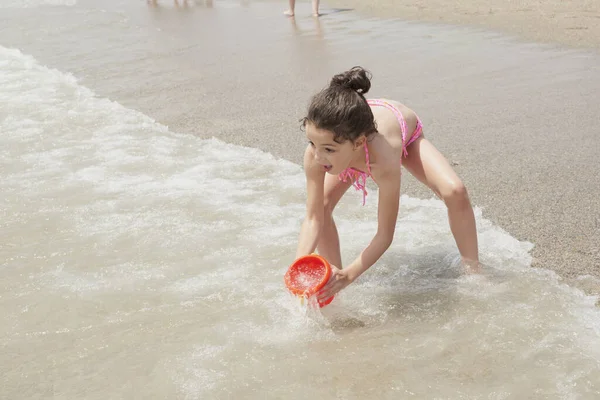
397, 113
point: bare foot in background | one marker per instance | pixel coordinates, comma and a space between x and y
315, 8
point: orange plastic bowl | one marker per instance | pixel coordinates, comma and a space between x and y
307, 275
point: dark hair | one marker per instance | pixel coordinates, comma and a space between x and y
342, 107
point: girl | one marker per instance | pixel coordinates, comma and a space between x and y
352, 138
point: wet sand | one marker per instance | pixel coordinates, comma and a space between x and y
573, 23
518, 119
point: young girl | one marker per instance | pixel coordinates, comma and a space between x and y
352, 138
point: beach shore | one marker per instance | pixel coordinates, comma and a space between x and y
572, 23
518, 119
152, 192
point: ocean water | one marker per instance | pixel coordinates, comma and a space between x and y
140, 262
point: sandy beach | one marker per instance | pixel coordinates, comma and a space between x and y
571, 23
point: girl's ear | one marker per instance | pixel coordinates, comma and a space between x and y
358, 143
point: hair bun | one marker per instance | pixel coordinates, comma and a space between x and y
357, 79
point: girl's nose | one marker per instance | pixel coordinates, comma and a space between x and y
318, 156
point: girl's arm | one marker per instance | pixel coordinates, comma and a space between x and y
313, 222
387, 213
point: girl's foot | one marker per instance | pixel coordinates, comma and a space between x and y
471, 266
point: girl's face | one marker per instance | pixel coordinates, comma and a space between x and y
333, 156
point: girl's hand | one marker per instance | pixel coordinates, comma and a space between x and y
340, 278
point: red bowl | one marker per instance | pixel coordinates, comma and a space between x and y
307, 275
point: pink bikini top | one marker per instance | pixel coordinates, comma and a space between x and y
359, 178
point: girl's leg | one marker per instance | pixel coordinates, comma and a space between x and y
329, 241
429, 166
290, 11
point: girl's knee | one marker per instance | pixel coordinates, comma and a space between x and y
328, 207
455, 195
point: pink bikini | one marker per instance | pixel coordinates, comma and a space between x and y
359, 178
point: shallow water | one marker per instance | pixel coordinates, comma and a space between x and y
140, 262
